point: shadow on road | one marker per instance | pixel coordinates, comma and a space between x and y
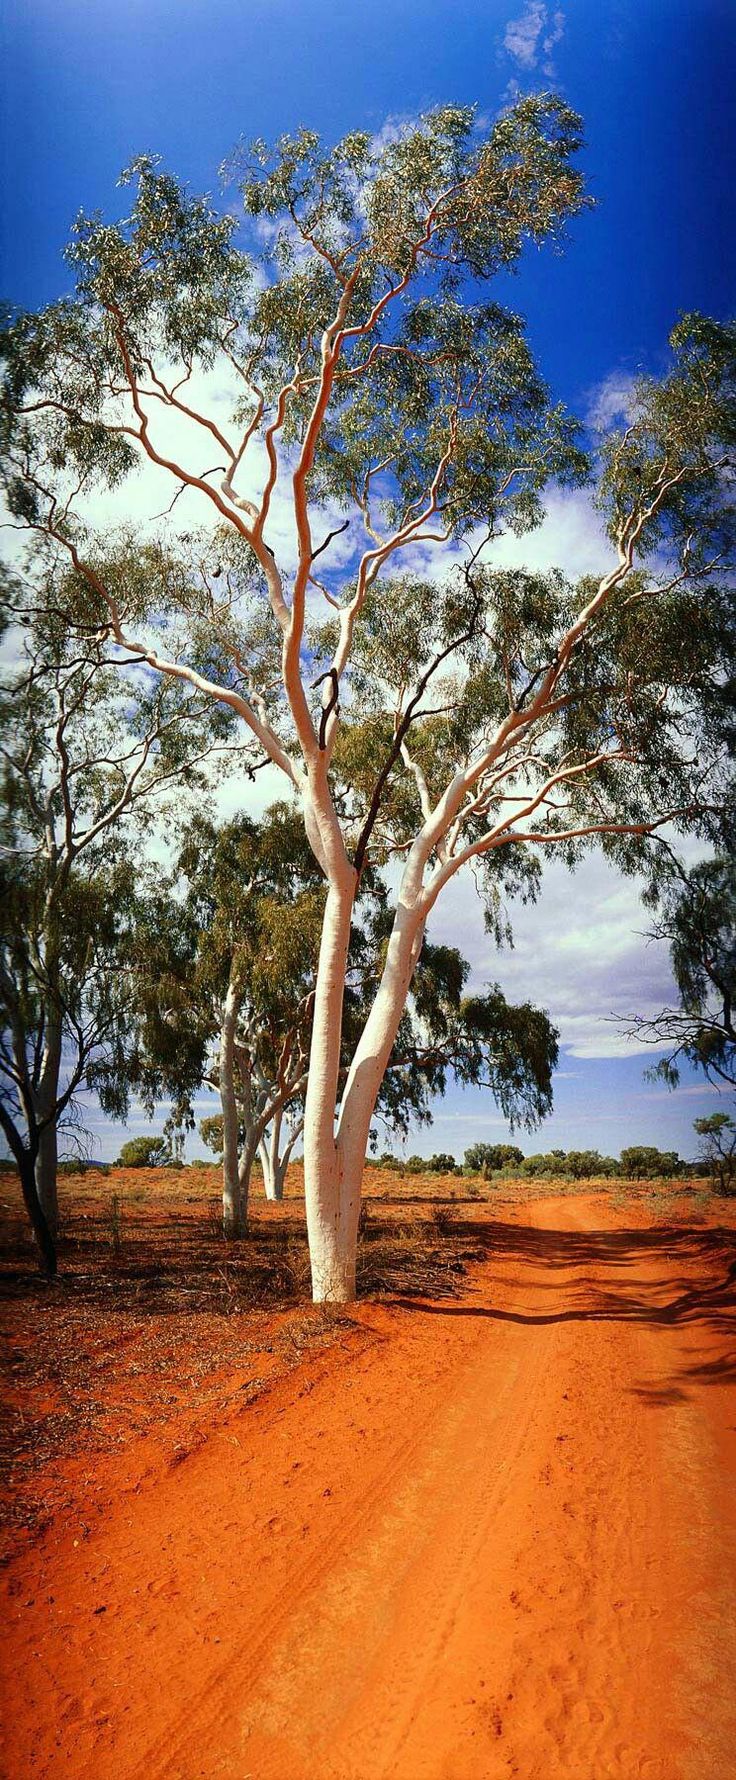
690, 1278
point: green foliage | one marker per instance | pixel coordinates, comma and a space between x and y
144, 1152
670, 462
717, 1135
487, 1158
249, 907
86, 755
696, 915
210, 1131
570, 1165
645, 1162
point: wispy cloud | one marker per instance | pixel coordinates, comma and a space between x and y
530, 39
612, 402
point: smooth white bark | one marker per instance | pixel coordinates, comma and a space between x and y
231, 1200
325, 1190
334, 1162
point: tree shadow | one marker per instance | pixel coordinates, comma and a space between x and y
709, 1299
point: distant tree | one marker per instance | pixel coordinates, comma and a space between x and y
226, 998
483, 714
488, 1157
646, 1162
587, 1164
441, 1163
144, 1152
717, 1135
553, 1164
86, 759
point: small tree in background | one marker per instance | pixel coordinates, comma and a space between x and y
717, 1135
487, 1158
144, 1152
87, 759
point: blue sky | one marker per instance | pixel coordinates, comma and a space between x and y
88, 83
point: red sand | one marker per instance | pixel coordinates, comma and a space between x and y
470, 1540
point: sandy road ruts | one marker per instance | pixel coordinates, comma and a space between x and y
466, 1547
331, 1623
396, 1468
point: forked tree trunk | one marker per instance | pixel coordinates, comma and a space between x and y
275, 1164
334, 1165
264, 1157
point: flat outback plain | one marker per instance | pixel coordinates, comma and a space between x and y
479, 1526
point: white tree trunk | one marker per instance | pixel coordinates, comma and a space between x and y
247, 1157
332, 1258
273, 1179
264, 1154
232, 1221
333, 1165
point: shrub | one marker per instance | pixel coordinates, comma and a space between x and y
553, 1165
144, 1152
487, 1158
646, 1162
585, 1164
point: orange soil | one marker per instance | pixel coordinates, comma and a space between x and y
481, 1538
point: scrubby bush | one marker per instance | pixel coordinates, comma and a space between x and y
488, 1158
588, 1164
552, 1166
442, 1163
144, 1152
645, 1162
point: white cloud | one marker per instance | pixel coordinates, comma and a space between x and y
612, 402
531, 38
522, 35
571, 537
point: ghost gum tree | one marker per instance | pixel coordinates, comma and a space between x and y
385, 412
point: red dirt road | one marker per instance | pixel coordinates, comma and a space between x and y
472, 1540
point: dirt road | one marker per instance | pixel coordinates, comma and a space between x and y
487, 1538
